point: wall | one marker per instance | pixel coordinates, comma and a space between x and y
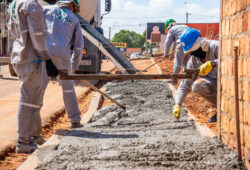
234, 30
208, 30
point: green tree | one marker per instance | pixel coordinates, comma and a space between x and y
133, 39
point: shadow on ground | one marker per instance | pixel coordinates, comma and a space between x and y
86, 134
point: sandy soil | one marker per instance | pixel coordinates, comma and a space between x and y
13, 160
198, 106
145, 136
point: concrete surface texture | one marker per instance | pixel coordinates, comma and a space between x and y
145, 136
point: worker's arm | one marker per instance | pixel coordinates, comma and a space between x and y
168, 42
186, 84
78, 44
36, 28
213, 53
173, 48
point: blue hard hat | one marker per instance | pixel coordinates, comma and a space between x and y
189, 37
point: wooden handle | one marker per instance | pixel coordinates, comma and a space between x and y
96, 89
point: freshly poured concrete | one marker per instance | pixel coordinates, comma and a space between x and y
145, 136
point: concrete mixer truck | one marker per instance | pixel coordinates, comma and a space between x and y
90, 17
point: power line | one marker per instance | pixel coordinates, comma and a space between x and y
141, 17
208, 16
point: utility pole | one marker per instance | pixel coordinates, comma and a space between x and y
187, 14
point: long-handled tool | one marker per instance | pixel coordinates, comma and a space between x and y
189, 74
156, 62
96, 89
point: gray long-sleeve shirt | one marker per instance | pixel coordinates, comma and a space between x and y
63, 31
173, 36
194, 62
26, 32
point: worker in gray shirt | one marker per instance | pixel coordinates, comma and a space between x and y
173, 36
28, 50
63, 31
204, 55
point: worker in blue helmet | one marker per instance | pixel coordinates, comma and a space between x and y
204, 55
173, 36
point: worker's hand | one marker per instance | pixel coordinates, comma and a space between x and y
205, 68
177, 111
51, 69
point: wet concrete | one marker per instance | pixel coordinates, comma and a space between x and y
145, 136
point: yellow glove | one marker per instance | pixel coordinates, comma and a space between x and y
205, 68
177, 111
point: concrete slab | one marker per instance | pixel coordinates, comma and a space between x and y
33, 160
108, 138
145, 136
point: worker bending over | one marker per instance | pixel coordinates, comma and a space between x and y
27, 49
63, 33
173, 36
204, 55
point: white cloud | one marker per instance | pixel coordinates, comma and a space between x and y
200, 14
153, 11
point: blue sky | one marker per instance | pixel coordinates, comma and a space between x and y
134, 14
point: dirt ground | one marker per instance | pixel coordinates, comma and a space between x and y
13, 160
144, 136
198, 106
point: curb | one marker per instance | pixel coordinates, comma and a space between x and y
33, 160
94, 106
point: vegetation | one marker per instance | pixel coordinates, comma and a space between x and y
133, 39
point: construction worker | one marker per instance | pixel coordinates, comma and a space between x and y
173, 36
204, 55
63, 34
27, 49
